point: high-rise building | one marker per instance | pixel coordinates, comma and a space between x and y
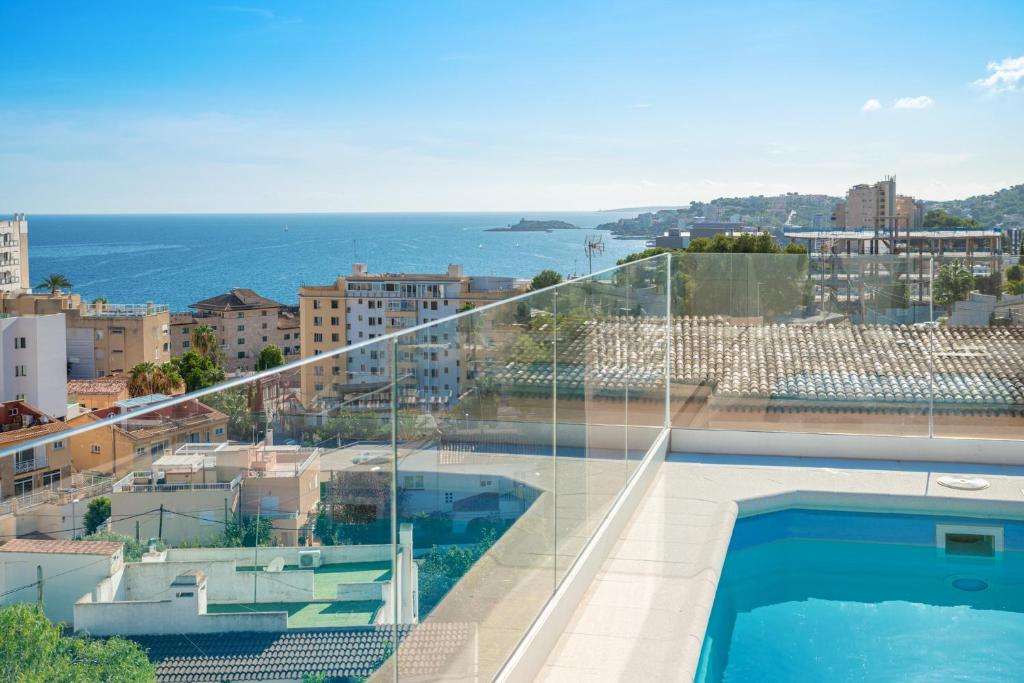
102, 339
14, 254
364, 306
33, 362
909, 212
871, 207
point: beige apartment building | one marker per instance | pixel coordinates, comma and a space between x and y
102, 339
878, 207
137, 441
14, 254
363, 306
244, 323
31, 469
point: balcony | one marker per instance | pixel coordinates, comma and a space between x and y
124, 310
144, 482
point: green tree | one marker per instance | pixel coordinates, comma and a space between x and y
246, 533
545, 279
204, 343
940, 218
33, 650
1014, 287
55, 282
442, 568
270, 357
237, 404
149, 378
1015, 272
96, 514
197, 371
952, 283
100, 300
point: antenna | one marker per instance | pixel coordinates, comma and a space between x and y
593, 245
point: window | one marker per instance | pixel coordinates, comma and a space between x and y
335, 320
413, 482
58, 445
264, 340
335, 337
184, 330
263, 313
22, 486
241, 328
95, 449
20, 343
433, 305
185, 344
140, 451
318, 321
334, 303
287, 336
264, 326
318, 387
240, 315
241, 341
484, 483
241, 354
20, 371
316, 304
12, 411
51, 478
318, 337
219, 431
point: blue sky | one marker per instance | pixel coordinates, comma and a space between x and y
391, 106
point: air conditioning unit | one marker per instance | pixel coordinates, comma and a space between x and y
309, 559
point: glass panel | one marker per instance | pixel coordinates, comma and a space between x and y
475, 482
978, 345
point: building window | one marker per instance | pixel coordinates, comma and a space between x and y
23, 486
264, 340
185, 344
140, 451
51, 478
264, 326
334, 303
58, 445
335, 337
318, 337
413, 482
219, 431
241, 341
95, 449
241, 328
240, 314
318, 321
184, 330
241, 354
316, 304
20, 371
20, 343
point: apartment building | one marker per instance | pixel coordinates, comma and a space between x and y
135, 442
909, 213
14, 254
363, 306
102, 339
33, 468
33, 361
244, 323
872, 206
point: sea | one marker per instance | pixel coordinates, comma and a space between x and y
179, 259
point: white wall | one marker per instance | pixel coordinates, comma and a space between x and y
152, 581
70, 576
45, 385
331, 554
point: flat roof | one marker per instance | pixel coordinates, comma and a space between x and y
900, 234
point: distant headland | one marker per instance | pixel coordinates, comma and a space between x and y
536, 226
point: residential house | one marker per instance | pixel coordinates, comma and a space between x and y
31, 468
33, 361
99, 393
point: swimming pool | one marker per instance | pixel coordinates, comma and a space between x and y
809, 595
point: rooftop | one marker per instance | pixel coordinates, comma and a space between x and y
23, 545
114, 384
236, 299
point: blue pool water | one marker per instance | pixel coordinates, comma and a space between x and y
835, 596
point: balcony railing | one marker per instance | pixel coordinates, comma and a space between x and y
124, 310
552, 404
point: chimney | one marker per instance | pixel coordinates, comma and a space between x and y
454, 270
359, 269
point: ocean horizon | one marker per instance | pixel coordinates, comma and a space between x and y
179, 259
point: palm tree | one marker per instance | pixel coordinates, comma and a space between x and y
204, 342
953, 283
149, 378
55, 282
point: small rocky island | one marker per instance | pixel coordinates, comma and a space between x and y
536, 226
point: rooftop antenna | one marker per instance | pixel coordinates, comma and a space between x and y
593, 245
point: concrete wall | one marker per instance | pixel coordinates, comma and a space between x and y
206, 504
376, 590
71, 576
152, 581
180, 613
331, 554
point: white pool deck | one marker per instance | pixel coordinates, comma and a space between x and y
643, 617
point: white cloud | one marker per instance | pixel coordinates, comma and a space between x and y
640, 105
871, 105
1004, 75
919, 102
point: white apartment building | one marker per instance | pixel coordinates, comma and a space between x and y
14, 254
33, 361
363, 306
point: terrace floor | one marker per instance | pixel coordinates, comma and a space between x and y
327, 577
310, 614
644, 615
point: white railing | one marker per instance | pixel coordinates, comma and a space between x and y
128, 485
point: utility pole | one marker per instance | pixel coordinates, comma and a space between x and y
39, 584
256, 550
137, 530
160, 527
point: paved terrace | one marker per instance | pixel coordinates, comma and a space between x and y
644, 616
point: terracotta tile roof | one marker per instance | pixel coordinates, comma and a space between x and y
101, 385
426, 650
25, 545
36, 431
236, 299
